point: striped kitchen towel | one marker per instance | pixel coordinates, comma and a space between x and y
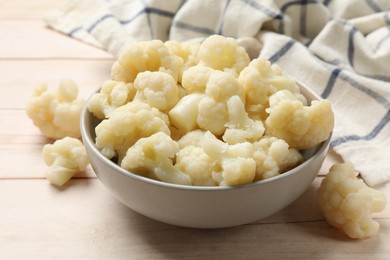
339, 48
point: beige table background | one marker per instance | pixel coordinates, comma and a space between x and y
83, 220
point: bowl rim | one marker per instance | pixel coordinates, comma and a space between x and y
88, 141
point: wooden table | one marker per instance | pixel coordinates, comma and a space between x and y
83, 220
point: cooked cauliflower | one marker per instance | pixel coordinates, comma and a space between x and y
236, 161
145, 56
260, 80
193, 138
240, 128
126, 125
112, 95
347, 202
223, 53
152, 157
65, 157
273, 156
158, 89
195, 78
187, 51
212, 110
193, 161
302, 127
56, 114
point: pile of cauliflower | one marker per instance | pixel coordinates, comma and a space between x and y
204, 114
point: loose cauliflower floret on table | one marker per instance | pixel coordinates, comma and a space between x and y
56, 114
273, 156
152, 157
112, 95
145, 56
158, 89
348, 202
260, 80
302, 127
126, 125
65, 157
236, 161
223, 53
241, 128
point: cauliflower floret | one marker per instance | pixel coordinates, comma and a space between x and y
145, 56
56, 114
347, 202
195, 78
193, 138
187, 51
152, 157
112, 95
273, 156
212, 110
223, 53
194, 162
206, 105
236, 161
126, 125
260, 80
302, 127
240, 127
158, 89
65, 157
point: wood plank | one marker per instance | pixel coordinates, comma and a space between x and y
22, 9
84, 221
19, 77
32, 39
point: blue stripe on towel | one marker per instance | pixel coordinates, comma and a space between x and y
375, 131
220, 30
190, 27
285, 48
374, 6
332, 80
256, 5
351, 46
147, 10
284, 8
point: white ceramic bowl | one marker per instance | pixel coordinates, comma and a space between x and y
203, 207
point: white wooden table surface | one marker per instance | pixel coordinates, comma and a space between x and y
83, 220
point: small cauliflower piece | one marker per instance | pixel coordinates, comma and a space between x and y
193, 138
112, 95
145, 56
212, 110
347, 202
65, 157
158, 89
260, 80
152, 157
126, 126
302, 127
184, 115
236, 161
194, 162
223, 53
195, 78
56, 114
273, 156
240, 128
187, 51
